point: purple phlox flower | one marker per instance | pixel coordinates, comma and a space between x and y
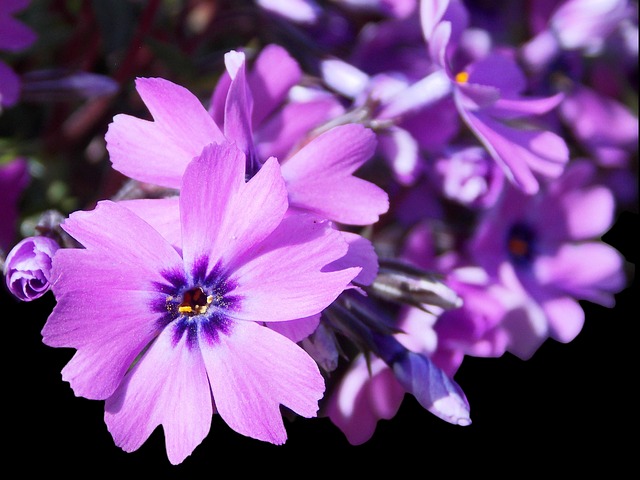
545, 252
582, 25
170, 336
319, 176
27, 268
487, 95
606, 128
15, 36
14, 178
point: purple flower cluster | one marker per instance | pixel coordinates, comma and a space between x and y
328, 222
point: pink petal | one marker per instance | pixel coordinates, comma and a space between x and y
287, 127
273, 74
319, 177
361, 254
158, 152
589, 212
590, 271
566, 318
296, 330
252, 372
285, 277
222, 216
167, 387
239, 105
163, 214
520, 152
365, 395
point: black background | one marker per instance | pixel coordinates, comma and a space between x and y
570, 406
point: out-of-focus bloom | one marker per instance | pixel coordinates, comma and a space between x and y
27, 268
488, 92
199, 308
14, 177
14, 37
572, 25
546, 253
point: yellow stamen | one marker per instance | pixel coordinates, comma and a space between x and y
462, 77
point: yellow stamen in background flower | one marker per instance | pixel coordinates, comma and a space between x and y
462, 77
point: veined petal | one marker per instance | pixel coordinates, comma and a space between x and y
163, 214
319, 177
252, 372
223, 216
210, 185
159, 151
103, 229
178, 398
284, 277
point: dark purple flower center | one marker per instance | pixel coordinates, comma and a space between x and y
520, 244
198, 306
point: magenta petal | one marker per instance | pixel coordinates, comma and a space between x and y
520, 152
289, 126
273, 74
367, 393
320, 177
163, 214
566, 318
178, 398
239, 105
222, 216
15, 35
252, 372
296, 330
361, 254
589, 271
589, 212
158, 152
285, 277
431, 14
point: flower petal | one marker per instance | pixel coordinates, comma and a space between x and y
222, 216
319, 177
252, 372
159, 151
284, 277
178, 398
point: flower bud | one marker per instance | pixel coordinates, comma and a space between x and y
27, 268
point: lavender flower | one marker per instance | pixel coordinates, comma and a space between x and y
171, 333
546, 253
27, 268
